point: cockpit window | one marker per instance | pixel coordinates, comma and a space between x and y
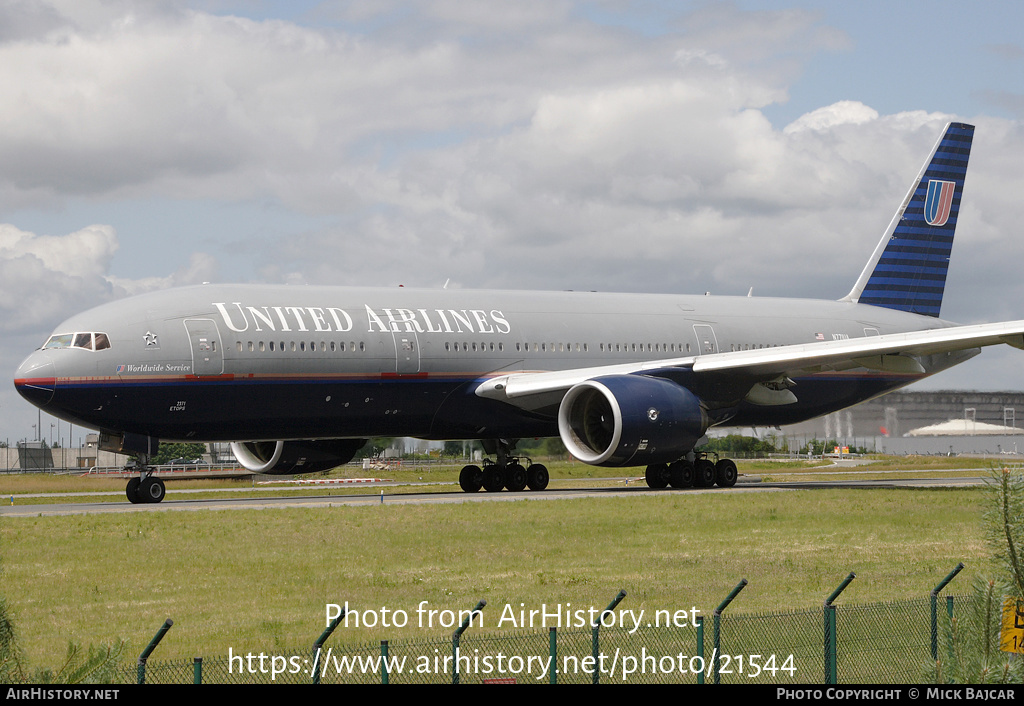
89, 341
62, 340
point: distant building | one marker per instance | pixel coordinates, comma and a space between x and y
947, 421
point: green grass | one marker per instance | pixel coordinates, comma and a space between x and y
260, 579
563, 475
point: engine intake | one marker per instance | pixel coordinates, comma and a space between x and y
630, 420
290, 457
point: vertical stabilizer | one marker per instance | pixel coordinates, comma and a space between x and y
907, 271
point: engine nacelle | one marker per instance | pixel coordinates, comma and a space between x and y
630, 420
289, 457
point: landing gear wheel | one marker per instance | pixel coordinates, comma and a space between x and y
680, 474
132, 491
515, 477
471, 479
703, 473
657, 475
152, 490
537, 477
726, 473
494, 478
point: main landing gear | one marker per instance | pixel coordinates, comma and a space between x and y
507, 472
147, 488
701, 472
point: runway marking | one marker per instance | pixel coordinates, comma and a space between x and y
170, 504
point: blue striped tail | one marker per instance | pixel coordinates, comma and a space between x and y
908, 268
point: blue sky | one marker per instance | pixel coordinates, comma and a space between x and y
619, 146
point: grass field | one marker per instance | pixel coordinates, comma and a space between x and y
259, 580
432, 478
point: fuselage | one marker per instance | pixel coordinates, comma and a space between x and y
247, 362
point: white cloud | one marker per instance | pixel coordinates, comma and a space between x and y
201, 267
46, 278
527, 146
42, 277
829, 116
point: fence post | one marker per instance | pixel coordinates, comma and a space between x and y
716, 652
141, 669
318, 645
593, 634
552, 655
700, 647
949, 613
935, 608
831, 656
457, 636
197, 670
384, 662
831, 668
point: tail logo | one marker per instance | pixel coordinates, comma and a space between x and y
938, 202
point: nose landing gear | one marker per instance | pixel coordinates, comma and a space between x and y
147, 488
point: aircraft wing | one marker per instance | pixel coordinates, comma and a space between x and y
894, 352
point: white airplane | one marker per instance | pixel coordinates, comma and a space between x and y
298, 377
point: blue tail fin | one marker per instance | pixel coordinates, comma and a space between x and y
908, 268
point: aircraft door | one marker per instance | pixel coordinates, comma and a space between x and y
706, 341
407, 352
207, 354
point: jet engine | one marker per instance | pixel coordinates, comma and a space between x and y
630, 420
289, 457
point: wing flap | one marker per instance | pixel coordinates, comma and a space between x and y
801, 357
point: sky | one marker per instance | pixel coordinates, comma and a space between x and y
616, 145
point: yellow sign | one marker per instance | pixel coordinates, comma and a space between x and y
1011, 637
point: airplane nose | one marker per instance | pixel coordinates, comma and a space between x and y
36, 379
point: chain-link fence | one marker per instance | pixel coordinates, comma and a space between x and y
874, 643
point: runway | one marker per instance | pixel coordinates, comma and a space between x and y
178, 501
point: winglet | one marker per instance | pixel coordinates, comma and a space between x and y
908, 269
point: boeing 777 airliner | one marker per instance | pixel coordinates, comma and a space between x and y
298, 377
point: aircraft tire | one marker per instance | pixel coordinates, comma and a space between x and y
471, 479
680, 474
494, 478
703, 473
726, 473
537, 477
515, 477
657, 475
132, 491
152, 490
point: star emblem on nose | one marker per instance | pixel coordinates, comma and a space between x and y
150, 339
